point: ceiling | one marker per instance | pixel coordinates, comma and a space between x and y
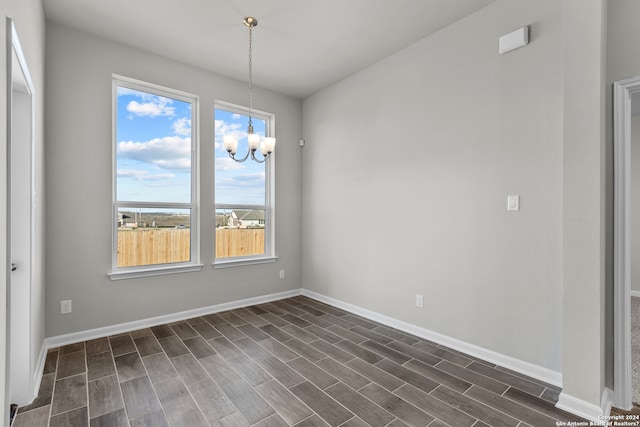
300, 46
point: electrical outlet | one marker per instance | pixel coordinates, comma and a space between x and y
282, 274
420, 301
65, 306
513, 203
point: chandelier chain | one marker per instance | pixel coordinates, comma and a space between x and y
250, 75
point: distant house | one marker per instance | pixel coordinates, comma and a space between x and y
242, 218
124, 221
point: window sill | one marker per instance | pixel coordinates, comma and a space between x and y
244, 261
154, 271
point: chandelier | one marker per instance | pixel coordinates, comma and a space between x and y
231, 142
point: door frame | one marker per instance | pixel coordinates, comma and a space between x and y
622, 92
17, 69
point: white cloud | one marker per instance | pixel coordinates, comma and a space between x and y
236, 116
154, 106
247, 188
182, 126
227, 164
139, 175
223, 128
173, 164
170, 152
150, 105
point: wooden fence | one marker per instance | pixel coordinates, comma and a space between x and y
239, 242
163, 246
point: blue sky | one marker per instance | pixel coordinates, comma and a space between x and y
153, 148
154, 152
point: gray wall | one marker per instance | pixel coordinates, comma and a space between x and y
407, 169
635, 203
78, 171
583, 208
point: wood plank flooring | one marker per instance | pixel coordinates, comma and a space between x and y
294, 362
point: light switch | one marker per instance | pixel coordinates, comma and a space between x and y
513, 203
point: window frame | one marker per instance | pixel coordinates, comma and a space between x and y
269, 255
194, 264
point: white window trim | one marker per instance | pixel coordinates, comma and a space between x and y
119, 273
242, 261
269, 255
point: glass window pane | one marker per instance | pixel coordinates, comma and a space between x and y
239, 232
153, 152
153, 236
238, 183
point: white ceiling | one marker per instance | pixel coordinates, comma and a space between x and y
300, 46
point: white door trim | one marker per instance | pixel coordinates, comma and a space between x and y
622, 91
20, 379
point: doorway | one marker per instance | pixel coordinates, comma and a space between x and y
626, 118
20, 224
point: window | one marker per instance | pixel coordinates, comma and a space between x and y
243, 192
155, 224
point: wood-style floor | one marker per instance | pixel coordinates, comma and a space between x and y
295, 362
632, 414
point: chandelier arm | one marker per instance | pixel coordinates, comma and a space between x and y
242, 159
255, 159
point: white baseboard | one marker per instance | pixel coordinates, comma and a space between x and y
584, 409
37, 374
90, 334
635, 293
606, 402
543, 374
